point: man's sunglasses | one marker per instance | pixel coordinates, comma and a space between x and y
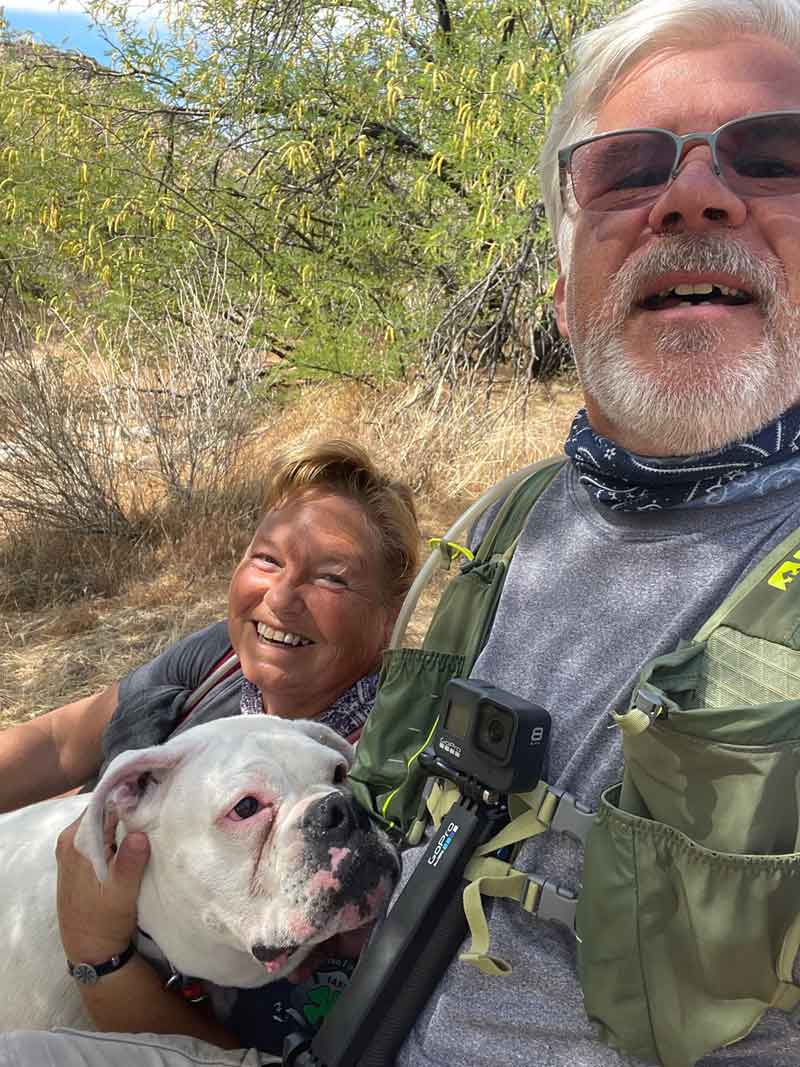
755, 156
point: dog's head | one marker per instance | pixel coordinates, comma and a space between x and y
258, 850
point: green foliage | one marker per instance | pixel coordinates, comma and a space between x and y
359, 165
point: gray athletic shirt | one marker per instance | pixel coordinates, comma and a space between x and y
152, 696
591, 595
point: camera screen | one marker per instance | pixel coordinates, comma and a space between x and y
457, 720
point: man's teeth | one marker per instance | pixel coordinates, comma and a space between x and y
700, 289
281, 636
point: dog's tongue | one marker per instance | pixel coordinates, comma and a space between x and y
276, 958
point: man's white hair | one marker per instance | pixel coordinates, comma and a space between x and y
604, 55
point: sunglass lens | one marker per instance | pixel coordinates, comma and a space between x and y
622, 170
761, 156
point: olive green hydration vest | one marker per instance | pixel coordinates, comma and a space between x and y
688, 919
689, 916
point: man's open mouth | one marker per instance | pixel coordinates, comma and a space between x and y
693, 295
272, 636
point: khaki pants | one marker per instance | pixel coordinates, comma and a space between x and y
76, 1048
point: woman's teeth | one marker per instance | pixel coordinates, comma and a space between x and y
280, 637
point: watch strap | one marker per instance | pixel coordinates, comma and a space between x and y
89, 973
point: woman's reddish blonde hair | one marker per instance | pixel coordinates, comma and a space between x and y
346, 468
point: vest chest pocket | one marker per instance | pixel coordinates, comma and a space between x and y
688, 917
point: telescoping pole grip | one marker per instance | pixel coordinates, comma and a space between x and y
401, 966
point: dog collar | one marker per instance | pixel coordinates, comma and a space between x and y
191, 989
90, 973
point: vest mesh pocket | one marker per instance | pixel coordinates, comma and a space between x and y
740, 669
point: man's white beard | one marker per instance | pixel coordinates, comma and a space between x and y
698, 397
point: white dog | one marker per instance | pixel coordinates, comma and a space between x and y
257, 854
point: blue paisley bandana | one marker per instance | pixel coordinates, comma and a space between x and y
346, 715
623, 481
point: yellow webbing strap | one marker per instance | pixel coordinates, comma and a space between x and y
508, 883
441, 798
491, 877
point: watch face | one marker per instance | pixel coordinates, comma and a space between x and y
84, 973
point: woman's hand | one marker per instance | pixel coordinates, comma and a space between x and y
98, 920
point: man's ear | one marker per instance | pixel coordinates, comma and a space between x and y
559, 300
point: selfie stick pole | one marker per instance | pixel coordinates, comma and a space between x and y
401, 966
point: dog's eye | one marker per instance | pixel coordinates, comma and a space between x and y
339, 774
246, 808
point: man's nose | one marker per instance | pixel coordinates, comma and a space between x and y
697, 200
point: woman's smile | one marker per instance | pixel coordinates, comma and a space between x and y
270, 635
310, 588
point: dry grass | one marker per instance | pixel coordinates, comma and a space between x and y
78, 615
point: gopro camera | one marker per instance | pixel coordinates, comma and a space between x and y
493, 736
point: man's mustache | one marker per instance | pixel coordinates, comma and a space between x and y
762, 277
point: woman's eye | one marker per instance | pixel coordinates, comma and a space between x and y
335, 579
246, 808
339, 774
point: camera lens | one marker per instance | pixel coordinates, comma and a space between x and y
495, 732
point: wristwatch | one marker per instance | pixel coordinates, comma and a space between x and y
90, 973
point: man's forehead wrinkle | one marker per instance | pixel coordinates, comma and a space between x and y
645, 94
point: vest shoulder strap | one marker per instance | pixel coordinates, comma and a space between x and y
507, 525
766, 602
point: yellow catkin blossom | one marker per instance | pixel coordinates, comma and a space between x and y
516, 74
394, 94
437, 162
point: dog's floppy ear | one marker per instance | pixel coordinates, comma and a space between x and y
317, 731
119, 793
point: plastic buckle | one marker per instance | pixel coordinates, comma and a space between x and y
571, 817
649, 700
556, 903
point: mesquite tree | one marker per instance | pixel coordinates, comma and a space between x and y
368, 168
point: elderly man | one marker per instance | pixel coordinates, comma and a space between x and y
680, 294
673, 189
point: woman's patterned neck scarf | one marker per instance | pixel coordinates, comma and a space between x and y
346, 715
623, 481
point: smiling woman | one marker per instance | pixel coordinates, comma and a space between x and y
311, 606
313, 600
307, 611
